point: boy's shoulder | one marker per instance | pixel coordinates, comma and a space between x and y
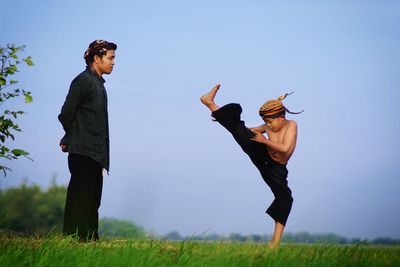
292, 124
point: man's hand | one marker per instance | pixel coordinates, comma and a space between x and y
258, 137
64, 148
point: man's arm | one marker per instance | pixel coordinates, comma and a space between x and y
74, 97
289, 140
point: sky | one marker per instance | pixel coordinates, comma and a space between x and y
172, 168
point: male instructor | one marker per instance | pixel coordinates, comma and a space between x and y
84, 118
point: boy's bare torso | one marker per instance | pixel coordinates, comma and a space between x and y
282, 136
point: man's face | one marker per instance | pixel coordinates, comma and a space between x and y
106, 64
274, 124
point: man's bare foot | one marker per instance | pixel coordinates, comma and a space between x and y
208, 99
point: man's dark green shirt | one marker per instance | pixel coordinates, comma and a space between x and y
84, 118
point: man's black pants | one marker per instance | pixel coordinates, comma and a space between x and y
81, 214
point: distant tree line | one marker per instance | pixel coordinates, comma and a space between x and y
110, 227
301, 237
29, 210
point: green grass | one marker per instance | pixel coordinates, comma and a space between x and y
58, 251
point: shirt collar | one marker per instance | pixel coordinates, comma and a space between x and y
92, 71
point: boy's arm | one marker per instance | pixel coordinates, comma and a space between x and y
289, 140
259, 129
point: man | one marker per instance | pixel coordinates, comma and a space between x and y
84, 117
269, 155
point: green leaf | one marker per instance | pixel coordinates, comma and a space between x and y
12, 69
28, 97
4, 149
19, 152
28, 61
2, 81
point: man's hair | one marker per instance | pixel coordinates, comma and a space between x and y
99, 48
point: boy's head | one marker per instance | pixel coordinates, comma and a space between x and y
101, 53
273, 113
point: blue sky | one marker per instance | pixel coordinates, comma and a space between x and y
172, 168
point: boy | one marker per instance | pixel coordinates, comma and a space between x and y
270, 155
84, 117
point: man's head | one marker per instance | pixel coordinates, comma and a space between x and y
100, 56
273, 113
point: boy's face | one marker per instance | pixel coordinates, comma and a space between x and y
274, 124
105, 64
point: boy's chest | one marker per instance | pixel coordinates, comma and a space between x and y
279, 136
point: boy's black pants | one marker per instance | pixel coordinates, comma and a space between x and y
81, 215
273, 173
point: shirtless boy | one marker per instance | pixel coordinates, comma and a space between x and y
270, 155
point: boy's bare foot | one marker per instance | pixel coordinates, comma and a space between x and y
273, 245
208, 99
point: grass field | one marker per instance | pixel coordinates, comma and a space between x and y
58, 251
